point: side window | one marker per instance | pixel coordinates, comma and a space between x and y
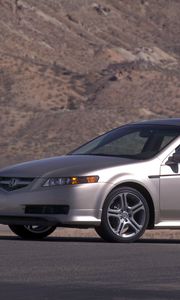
177, 150
166, 140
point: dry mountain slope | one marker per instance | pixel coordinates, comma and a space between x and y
70, 70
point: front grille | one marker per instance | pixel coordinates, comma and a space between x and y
14, 183
47, 209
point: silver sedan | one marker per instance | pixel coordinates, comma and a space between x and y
120, 183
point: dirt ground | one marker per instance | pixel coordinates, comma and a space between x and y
90, 233
71, 70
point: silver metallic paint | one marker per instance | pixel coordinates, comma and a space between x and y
86, 200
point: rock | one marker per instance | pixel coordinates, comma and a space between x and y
155, 56
102, 10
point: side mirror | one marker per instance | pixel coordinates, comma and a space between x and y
174, 159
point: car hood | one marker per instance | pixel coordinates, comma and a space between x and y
68, 165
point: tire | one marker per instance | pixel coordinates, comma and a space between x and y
125, 216
32, 232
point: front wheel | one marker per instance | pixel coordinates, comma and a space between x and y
125, 216
34, 232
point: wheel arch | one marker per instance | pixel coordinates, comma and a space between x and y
146, 195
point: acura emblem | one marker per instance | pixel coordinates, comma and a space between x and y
13, 182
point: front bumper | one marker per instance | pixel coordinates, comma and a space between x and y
84, 204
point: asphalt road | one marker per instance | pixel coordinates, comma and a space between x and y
88, 268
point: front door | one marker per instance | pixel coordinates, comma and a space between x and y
170, 192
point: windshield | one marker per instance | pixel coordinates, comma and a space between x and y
131, 141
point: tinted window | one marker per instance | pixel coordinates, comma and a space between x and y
136, 142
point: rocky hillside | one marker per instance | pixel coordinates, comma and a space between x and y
72, 69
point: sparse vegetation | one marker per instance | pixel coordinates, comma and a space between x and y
70, 70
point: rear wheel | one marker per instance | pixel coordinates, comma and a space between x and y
125, 216
34, 232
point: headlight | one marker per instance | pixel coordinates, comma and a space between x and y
55, 181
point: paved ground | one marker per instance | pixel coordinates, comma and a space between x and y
88, 268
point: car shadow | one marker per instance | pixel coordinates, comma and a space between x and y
90, 240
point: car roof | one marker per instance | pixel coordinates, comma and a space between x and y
170, 121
